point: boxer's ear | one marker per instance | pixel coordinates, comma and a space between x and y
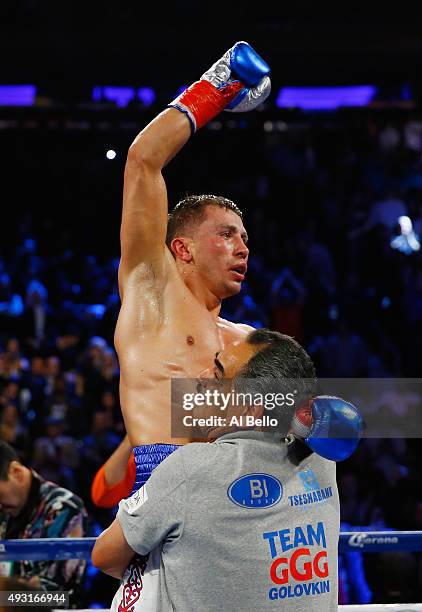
181, 249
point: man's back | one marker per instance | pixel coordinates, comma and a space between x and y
244, 526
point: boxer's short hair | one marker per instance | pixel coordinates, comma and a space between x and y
191, 211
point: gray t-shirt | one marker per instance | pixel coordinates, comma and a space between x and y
241, 525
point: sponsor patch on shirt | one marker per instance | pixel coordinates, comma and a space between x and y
312, 492
255, 491
135, 501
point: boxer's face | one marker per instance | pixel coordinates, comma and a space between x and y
219, 251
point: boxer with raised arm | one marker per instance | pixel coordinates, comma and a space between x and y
169, 324
171, 294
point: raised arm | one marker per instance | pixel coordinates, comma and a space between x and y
144, 217
238, 81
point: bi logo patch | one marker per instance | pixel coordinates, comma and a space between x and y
255, 491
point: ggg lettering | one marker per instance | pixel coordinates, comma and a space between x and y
300, 570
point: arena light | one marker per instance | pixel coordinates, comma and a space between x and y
17, 95
119, 95
325, 98
146, 95
407, 241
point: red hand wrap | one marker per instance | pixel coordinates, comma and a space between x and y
205, 101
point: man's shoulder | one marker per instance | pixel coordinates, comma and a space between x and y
58, 498
197, 448
187, 462
321, 464
188, 452
197, 454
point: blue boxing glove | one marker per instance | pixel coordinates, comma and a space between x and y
239, 81
242, 63
330, 426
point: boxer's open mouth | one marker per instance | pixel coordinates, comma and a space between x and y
239, 270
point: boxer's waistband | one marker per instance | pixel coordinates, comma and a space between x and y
147, 457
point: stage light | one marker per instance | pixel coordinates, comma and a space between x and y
17, 95
325, 98
121, 96
147, 96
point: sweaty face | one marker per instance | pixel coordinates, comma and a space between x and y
220, 252
12, 494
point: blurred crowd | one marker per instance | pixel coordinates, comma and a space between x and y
334, 212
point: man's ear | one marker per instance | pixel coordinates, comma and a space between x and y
16, 471
181, 249
256, 411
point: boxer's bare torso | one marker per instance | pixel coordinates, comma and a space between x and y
168, 325
163, 333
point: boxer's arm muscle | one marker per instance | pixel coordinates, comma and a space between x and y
144, 217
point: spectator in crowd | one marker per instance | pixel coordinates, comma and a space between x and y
12, 431
101, 442
11, 305
386, 212
52, 372
17, 363
36, 315
110, 370
34, 380
31, 507
342, 354
56, 455
288, 296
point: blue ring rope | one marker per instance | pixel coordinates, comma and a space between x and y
58, 549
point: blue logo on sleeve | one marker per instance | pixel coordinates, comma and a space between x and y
312, 492
309, 479
255, 491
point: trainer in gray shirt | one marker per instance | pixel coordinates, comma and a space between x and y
242, 524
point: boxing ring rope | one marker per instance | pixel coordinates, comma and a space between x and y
57, 549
